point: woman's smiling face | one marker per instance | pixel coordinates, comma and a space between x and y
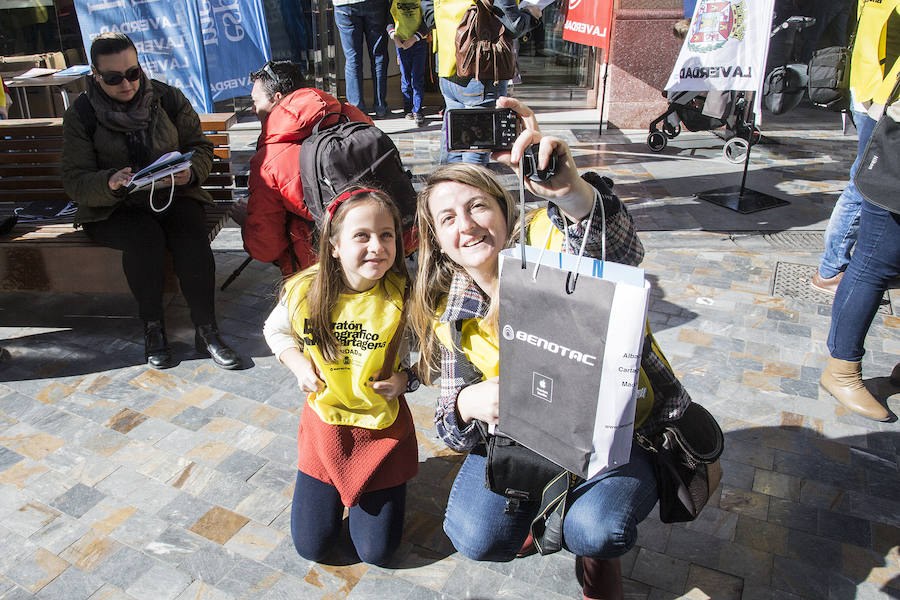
469, 224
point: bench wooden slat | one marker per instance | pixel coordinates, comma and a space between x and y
30, 144
38, 170
29, 157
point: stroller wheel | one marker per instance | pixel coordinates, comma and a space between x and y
736, 149
671, 131
657, 141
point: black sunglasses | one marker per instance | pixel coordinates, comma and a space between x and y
115, 78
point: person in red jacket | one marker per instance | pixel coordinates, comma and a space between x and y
278, 228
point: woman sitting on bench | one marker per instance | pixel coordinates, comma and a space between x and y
123, 123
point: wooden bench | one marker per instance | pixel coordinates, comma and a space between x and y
56, 256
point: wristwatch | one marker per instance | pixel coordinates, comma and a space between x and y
412, 380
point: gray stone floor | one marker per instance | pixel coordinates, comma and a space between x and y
121, 482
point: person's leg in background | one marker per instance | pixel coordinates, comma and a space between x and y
184, 224
316, 514
350, 28
477, 94
375, 13
418, 55
841, 231
376, 524
404, 60
142, 241
875, 261
601, 524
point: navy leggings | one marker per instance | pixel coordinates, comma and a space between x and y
376, 523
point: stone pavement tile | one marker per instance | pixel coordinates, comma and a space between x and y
124, 567
291, 588
161, 582
248, 579
174, 544
202, 591
151, 430
762, 535
29, 518
107, 515
713, 584
106, 443
109, 592
282, 449
859, 564
36, 570
139, 529
285, 424
250, 438
80, 465
263, 506
653, 534
241, 464
801, 578
226, 491
557, 574
184, 510
845, 528
59, 533
748, 563
813, 549
30, 442
819, 469
468, 580
192, 418
695, 547
140, 491
744, 502
17, 593
24, 473
776, 484
89, 551
254, 541
275, 477
73, 583
219, 524
210, 564
715, 522
78, 500
661, 571
210, 453
736, 474
432, 570
749, 453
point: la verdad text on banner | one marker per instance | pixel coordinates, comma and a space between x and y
206, 48
726, 47
588, 22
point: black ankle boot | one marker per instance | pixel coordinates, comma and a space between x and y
156, 346
207, 341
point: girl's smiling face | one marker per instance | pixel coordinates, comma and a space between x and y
469, 224
365, 245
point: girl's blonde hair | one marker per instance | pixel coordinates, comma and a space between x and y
436, 270
327, 280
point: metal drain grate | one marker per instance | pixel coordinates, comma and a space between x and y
792, 240
792, 281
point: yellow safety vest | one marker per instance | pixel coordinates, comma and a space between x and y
867, 76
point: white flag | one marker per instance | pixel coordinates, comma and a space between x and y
726, 47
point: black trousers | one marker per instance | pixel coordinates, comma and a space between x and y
143, 237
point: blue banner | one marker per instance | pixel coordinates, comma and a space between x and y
236, 42
164, 32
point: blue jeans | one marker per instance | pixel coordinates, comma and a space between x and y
477, 94
412, 75
841, 231
601, 522
367, 18
376, 523
875, 262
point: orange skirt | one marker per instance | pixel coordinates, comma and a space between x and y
354, 459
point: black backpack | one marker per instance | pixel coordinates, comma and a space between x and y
349, 153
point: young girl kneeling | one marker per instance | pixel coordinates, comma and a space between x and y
333, 327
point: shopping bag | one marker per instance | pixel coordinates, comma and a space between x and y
570, 352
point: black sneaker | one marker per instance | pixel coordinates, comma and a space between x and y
410, 115
419, 119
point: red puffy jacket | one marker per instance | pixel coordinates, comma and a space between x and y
275, 185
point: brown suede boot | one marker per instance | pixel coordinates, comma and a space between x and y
843, 380
601, 579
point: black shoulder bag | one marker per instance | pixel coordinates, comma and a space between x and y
878, 174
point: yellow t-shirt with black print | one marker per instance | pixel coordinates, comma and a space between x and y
364, 323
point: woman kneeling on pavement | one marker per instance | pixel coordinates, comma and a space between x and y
466, 219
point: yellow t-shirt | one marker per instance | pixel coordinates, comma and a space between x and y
364, 324
447, 16
867, 75
482, 349
407, 17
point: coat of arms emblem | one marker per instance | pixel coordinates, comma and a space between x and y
715, 23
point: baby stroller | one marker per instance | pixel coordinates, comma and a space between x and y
709, 111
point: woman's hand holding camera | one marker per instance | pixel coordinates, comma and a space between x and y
566, 189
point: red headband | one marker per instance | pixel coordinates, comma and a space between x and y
344, 197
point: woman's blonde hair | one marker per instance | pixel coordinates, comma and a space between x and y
327, 280
436, 270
